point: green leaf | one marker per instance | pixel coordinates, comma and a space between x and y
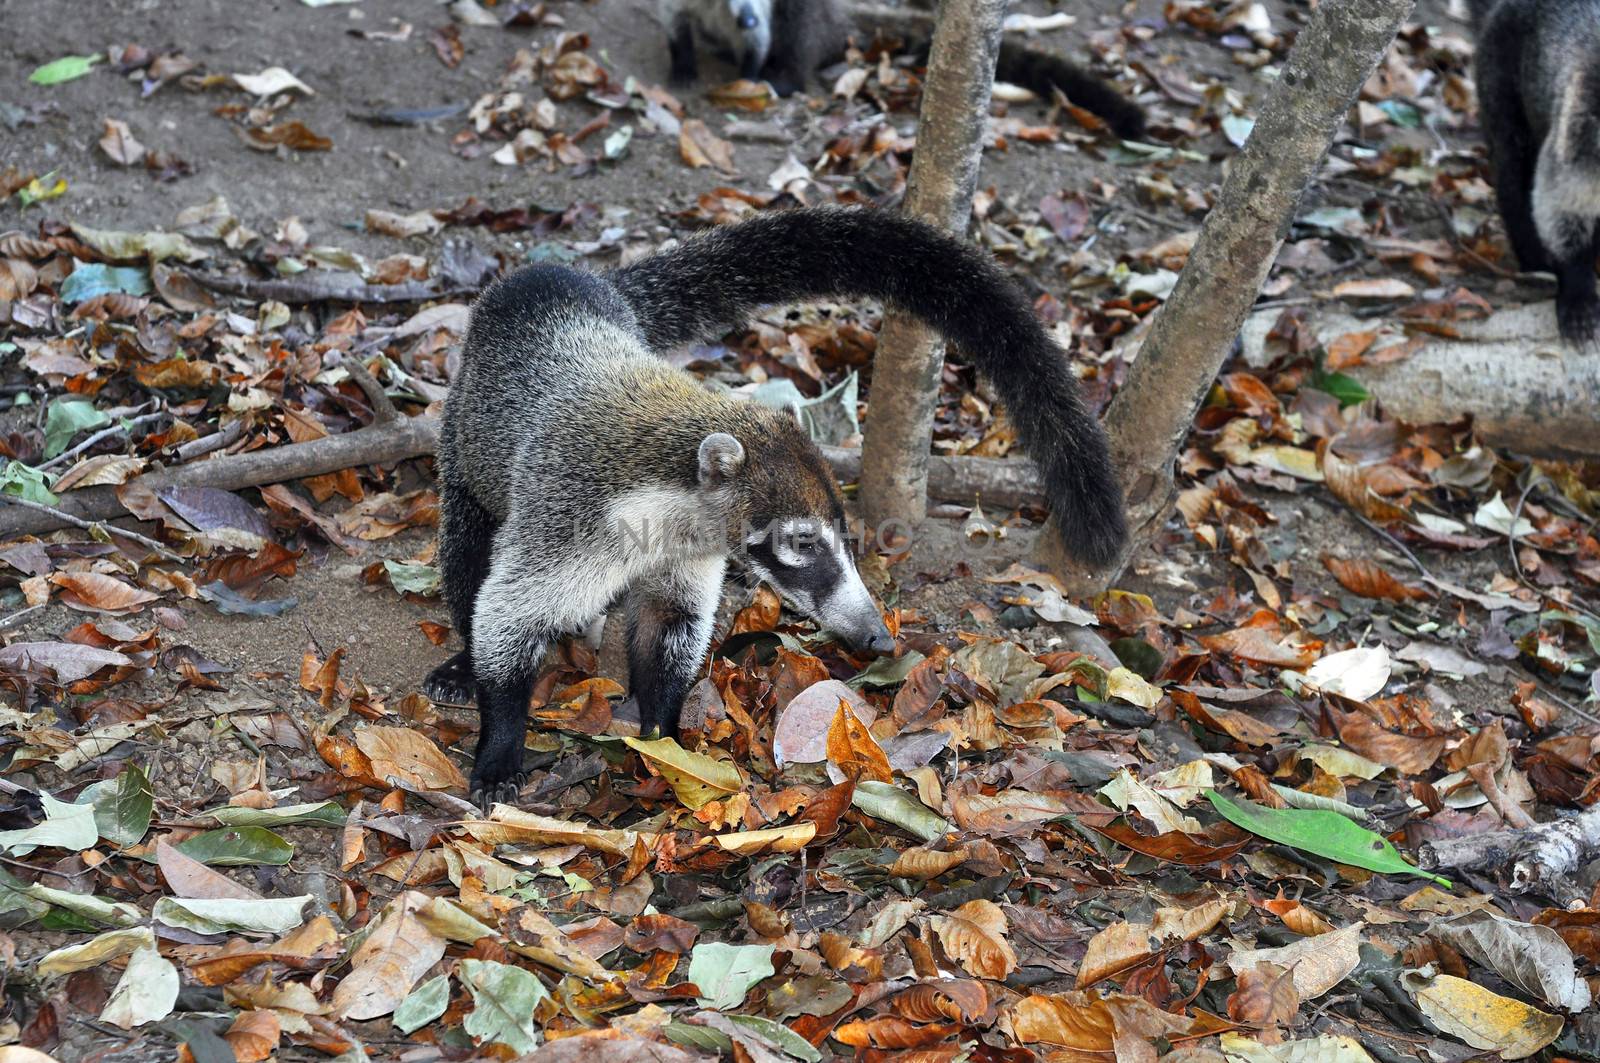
314, 814
888, 802
66, 68
14, 897
725, 973
886, 671
123, 806
65, 826
87, 905
26, 482
423, 1004
704, 1037
89, 279
68, 417
1321, 832
1347, 389
779, 1034
503, 1001
274, 915
236, 846
413, 577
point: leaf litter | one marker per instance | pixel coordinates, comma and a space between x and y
1012, 833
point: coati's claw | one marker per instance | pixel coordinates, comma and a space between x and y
487, 795
451, 683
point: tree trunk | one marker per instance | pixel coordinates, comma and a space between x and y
944, 176
1194, 332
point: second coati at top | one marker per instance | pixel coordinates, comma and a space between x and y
577, 468
1538, 77
784, 42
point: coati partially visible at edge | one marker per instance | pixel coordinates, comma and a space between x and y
1538, 76
785, 41
577, 467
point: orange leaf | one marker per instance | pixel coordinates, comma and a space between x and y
1368, 579
852, 749
887, 1031
254, 1035
95, 592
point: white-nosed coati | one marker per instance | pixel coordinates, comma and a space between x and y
784, 41
1538, 75
577, 468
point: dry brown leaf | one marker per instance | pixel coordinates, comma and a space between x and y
924, 863
405, 757
700, 147
389, 961
1124, 945
95, 592
1265, 997
974, 935
254, 1035
118, 142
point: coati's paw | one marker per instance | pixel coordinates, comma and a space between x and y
451, 683
1579, 321
487, 794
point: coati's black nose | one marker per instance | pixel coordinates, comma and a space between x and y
882, 642
747, 19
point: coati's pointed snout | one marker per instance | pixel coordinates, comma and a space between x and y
879, 641
747, 17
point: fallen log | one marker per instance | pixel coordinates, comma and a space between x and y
999, 482
1545, 857
1510, 372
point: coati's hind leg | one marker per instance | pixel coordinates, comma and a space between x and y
466, 539
1513, 154
669, 627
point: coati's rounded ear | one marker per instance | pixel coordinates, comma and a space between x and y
721, 456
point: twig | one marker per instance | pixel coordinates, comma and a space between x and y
383, 409
104, 433
1511, 533
199, 448
11, 620
1396, 543
89, 525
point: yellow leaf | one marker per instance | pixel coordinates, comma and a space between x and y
773, 839
1129, 686
1468, 1012
975, 936
694, 777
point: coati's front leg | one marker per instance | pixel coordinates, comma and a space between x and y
509, 635
1577, 302
680, 44
670, 618
466, 538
